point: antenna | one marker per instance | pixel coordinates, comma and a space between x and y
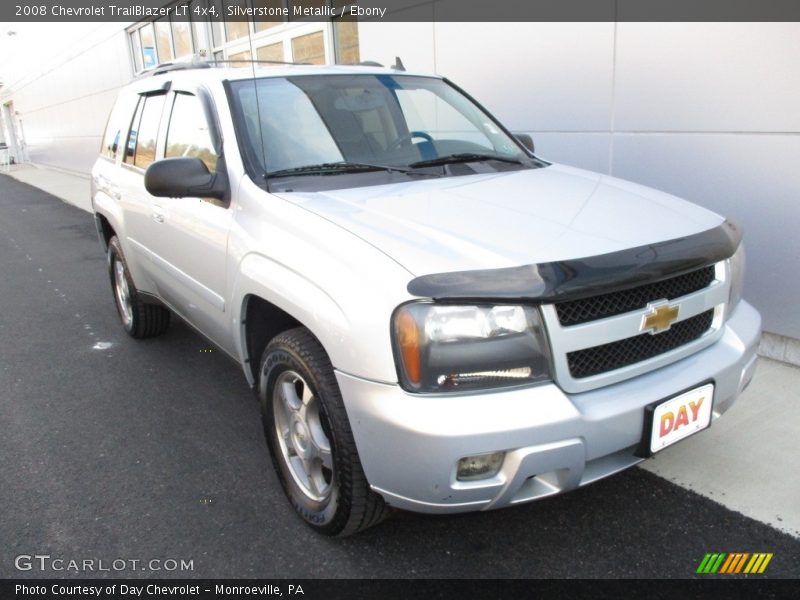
398, 64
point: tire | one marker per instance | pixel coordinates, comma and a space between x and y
310, 440
139, 319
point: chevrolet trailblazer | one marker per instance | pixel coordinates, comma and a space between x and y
433, 317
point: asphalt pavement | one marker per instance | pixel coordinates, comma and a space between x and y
112, 448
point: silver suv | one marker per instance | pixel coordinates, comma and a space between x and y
433, 317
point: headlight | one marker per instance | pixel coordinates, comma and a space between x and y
445, 348
736, 271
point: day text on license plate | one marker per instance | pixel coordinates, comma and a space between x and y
681, 416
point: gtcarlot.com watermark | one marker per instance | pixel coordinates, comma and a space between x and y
59, 564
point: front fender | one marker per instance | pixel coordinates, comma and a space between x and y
352, 327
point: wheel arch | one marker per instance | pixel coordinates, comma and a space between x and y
104, 230
261, 321
273, 299
107, 218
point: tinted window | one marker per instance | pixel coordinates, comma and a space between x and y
188, 133
145, 152
117, 125
130, 146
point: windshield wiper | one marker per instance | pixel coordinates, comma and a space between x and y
334, 168
461, 158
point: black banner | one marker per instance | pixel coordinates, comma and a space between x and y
402, 10
389, 589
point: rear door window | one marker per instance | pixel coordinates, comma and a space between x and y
145, 151
130, 145
117, 125
141, 147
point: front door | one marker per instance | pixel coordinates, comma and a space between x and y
188, 237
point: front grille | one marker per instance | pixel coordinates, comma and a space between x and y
574, 312
608, 357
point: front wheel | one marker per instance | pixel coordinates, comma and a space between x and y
310, 439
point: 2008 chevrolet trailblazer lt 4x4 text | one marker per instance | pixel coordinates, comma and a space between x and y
433, 317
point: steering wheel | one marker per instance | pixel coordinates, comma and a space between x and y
403, 139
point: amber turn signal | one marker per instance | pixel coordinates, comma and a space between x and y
408, 340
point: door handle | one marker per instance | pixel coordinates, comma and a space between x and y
104, 184
158, 214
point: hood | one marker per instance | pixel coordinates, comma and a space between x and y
488, 221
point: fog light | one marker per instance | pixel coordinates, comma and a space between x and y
481, 466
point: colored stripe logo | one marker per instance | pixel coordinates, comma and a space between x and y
734, 563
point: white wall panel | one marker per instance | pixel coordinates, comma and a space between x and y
412, 41
582, 150
538, 76
64, 109
737, 77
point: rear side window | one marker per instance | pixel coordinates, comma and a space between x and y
141, 148
148, 131
188, 133
130, 145
117, 125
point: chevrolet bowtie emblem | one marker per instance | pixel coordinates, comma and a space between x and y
660, 317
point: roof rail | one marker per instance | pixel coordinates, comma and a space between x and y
198, 62
194, 63
255, 62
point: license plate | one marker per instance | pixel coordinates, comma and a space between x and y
680, 417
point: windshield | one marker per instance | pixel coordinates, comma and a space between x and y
311, 123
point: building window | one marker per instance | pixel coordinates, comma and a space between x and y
163, 41
345, 41
300, 39
149, 55
182, 36
235, 30
309, 48
136, 48
272, 52
263, 25
217, 37
240, 56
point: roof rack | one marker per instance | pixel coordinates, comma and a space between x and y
194, 63
255, 62
397, 66
198, 62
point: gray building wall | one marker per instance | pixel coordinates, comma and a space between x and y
706, 111
63, 103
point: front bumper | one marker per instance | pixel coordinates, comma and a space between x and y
410, 445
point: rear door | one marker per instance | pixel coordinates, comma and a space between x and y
138, 152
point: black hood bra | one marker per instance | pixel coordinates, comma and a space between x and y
583, 277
